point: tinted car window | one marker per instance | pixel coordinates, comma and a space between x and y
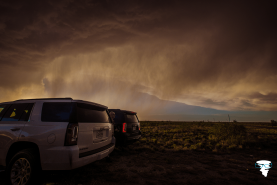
57, 111
119, 117
131, 118
3, 109
15, 112
92, 114
26, 112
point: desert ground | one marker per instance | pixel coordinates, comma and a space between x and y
182, 153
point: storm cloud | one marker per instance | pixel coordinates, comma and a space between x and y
214, 54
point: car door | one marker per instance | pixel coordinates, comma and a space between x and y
95, 128
13, 118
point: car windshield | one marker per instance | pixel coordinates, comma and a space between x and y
131, 118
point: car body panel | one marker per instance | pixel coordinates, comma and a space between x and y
68, 157
8, 137
50, 138
133, 132
10, 132
106, 129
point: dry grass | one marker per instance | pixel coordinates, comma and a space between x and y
182, 153
206, 136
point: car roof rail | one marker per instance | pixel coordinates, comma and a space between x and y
46, 99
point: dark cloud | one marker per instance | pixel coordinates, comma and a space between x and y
270, 98
212, 102
246, 104
212, 53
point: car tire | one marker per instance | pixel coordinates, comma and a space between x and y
23, 167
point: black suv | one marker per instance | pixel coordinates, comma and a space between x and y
126, 126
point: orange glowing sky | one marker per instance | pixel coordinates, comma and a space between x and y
136, 54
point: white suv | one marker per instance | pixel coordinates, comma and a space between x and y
52, 134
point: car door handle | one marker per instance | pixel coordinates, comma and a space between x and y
15, 129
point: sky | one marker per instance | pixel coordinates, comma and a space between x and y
149, 56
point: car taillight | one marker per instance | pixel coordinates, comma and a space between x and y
139, 126
124, 128
71, 135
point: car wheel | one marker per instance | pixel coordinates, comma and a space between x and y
23, 168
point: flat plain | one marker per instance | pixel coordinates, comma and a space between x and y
182, 153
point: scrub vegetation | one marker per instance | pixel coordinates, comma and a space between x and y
182, 153
207, 136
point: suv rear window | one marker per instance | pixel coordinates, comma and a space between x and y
131, 118
18, 112
92, 114
56, 111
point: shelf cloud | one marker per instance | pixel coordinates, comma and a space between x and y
214, 54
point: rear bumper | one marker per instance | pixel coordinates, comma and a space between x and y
67, 157
133, 137
126, 136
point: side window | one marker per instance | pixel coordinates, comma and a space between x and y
15, 112
26, 113
92, 114
57, 111
3, 109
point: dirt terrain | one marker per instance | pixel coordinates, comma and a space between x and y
144, 162
169, 167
